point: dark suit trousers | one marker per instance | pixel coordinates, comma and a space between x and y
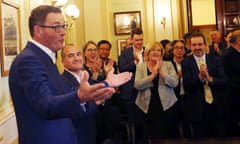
211, 125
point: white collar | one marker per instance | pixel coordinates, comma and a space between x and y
203, 58
45, 49
75, 75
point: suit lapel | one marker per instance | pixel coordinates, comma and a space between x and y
195, 65
207, 59
50, 67
55, 77
71, 79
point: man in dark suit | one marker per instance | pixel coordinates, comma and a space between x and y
201, 71
73, 62
217, 46
231, 63
128, 60
108, 115
44, 105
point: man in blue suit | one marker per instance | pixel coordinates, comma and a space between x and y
44, 105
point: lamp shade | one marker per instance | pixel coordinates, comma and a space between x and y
72, 11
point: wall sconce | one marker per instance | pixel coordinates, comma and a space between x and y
59, 3
163, 22
71, 12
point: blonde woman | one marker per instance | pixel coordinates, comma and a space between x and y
155, 80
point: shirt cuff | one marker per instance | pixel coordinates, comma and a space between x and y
105, 83
83, 105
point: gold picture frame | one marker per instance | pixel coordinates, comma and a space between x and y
121, 45
124, 22
10, 35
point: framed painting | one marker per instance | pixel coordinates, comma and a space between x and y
10, 35
12, 2
124, 22
121, 44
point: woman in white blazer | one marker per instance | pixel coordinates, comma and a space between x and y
155, 80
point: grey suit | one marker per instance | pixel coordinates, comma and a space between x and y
156, 98
165, 87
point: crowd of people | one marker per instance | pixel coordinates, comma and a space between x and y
168, 89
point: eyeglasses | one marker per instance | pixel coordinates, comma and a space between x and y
57, 28
179, 47
156, 50
92, 50
103, 49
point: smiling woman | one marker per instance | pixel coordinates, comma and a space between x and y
155, 80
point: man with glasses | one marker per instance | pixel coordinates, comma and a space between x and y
108, 116
104, 49
44, 105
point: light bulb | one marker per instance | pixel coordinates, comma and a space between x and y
59, 3
72, 11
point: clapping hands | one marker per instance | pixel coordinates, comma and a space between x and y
203, 73
108, 65
97, 92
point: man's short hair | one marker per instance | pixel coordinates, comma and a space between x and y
39, 14
136, 31
104, 42
64, 48
199, 34
235, 36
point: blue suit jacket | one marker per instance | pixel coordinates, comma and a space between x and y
194, 101
126, 63
43, 104
85, 127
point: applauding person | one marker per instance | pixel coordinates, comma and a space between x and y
155, 80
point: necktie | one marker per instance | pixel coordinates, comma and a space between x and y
208, 94
207, 90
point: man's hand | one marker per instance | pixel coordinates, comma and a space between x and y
203, 73
108, 65
216, 47
136, 59
115, 80
97, 92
